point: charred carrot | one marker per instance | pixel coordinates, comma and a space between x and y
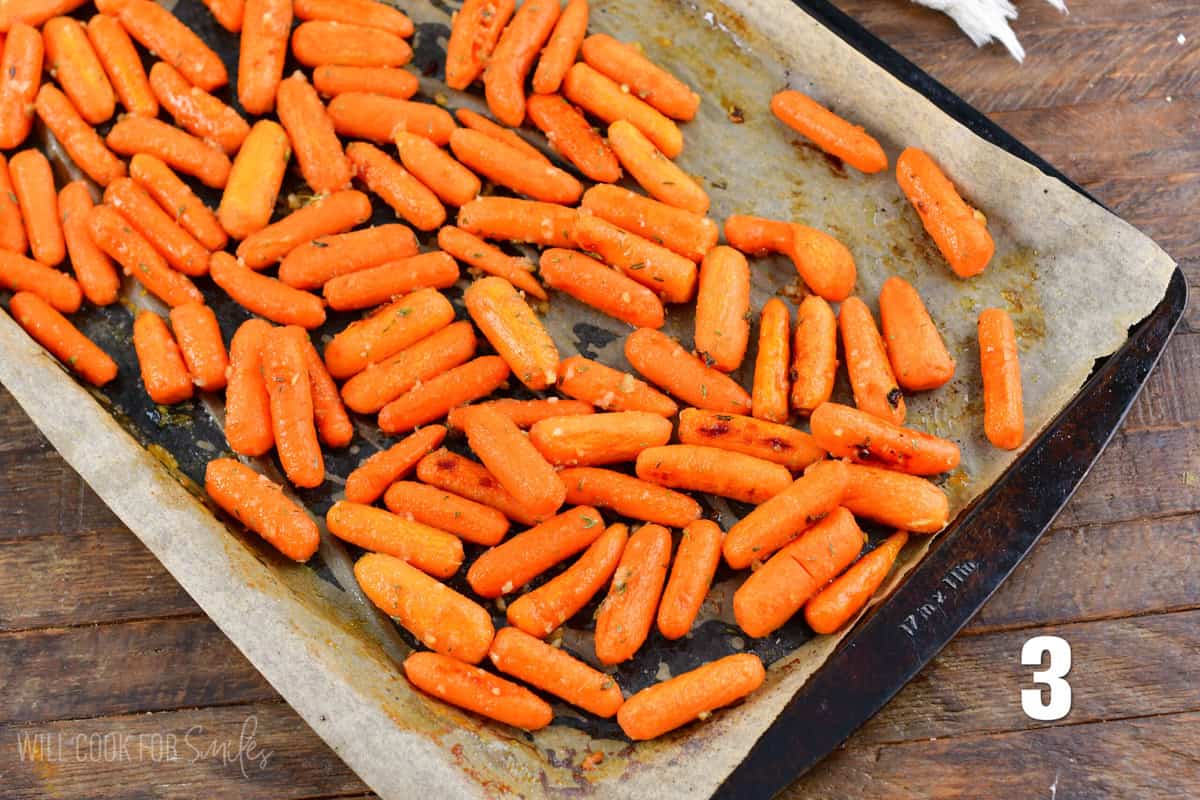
438, 616
318, 152
653, 171
432, 551
824, 263
693, 695
164, 374
384, 381
160, 32
626, 615
260, 505
322, 42
509, 566
602, 97
359, 12
508, 322
667, 274
229, 14
20, 77
264, 295
85, 147
524, 413
836, 136
178, 200
511, 219
769, 395
552, 670
1003, 405
473, 35
570, 135
387, 332
146, 217
138, 258
453, 183
94, 270
407, 196
462, 685
12, 227
327, 215
914, 346
466, 519
769, 441
596, 439
33, 184
814, 354
311, 265
333, 424
679, 230
254, 180
477, 122
376, 285
722, 304
726, 473
180, 151
839, 601
76, 67
470, 479
562, 48
54, 332
756, 236
286, 374
875, 389
646, 80
471, 250
372, 477
629, 496
850, 433
691, 576
247, 404
433, 399
593, 283
610, 389
515, 461
511, 168
18, 273
377, 118
33, 12
197, 111
959, 231
513, 57
891, 498
199, 338
665, 363
334, 79
122, 64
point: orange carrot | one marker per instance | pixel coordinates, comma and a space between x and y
958, 230
462, 685
653, 171
471, 250
85, 147
333, 424
914, 346
999, 362
824, 263
94, 270
20, 78
570, 134
509, 566
509, 167
552, 670
646, 80
199, 337
665, 363
376, 285
595, 439
722, 304
519, 45
18, 273
524, 413
138, 258
407, 196
318, 152
726, 473
679, 230
359, 12
180, 151
691, 576
377, 118
33, 12
610, 389
286, 374
334, 79
667, 274
810, 499
562, 48
264, 295
254, 180
693, 695
164, 374
160, 32
54, 332
628, 496
814, 354
541, 611
608, 291
477, 122
453, 183
197, 111
769, 396
438, 616
624, 619
769, 441
33, 183
384, 381
372, 477
757, 236
466, 519
473, 35
146, 217
326, 215
871, 376
433, 399
460, 475
839, 601
850, 433
260, 505
508, 322
178, 200
890, 498
602, 97
12, 227
122, 64
387, 332
229, 14
514, 460
511, 219
432, 551
841, 139
247, 404
76, 67
321, 42
311, 265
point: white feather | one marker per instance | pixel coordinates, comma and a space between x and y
987, 20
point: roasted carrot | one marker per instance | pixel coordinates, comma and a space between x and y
722, 305
693, 695
610, 389
432, 551
602, 97
777, 589
756, 236
75, 65
695, 564
512, 219
509, 566
264, 295
511, 168
85, 147
20, 78
511, 327
434, 398
441, 618
138, 258
453, 183
515, 460
160, 32
814, 354
122, 64
959, 231
247, 404
33, 12
624, 619
285, 371
33, 184
377, 118
260, 505
541, 611
145, 216
654, 172
322, 42
839, 601
164, 374
999, 362
471, 250
875, 389
333, 423
311, 265
54, 332
407, 196
769, 395
384, 381
596, 439
94, 270
850, 433
810, 499
180, 151
462, 685
358, 12
524, 413
562, 48
460, 475
334, 79
466, 519
477, 122
824, 263
679, 230
318, 152
199, 337
914, 346
891, 498
552, 670
570, 134
178, 200
12, 227
769, 441
629, 496
387, 332
254, 180
18, 273
665, 363
646, 80
372, 477
667, 274
841, 139
229, 14
376, 285
726, 473
197, 111
473, 35
608, 291
327, 215
513, 57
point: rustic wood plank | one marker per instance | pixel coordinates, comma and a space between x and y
1169, 398
18, 434
41, 494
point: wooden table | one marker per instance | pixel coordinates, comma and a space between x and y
99, 646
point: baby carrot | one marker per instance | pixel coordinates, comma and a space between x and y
146, 217
434, 552
850, 433
511, 219
334, 79
871, 376
624, 619
372, 477
164, 374
504, 78
959, 231
407, 196
434, 398
605, 289
460, 475
775, 591
726, 473
769, 395
473, 35
757, 236
377, 118
514, 460
511, 168
466, 519
333, 424
178, 200
122, 64
326, 215
571, 135
94, 270
318, 152
610, 389
508, 322
891, 498
180, 151
914, 346
197, 111
602, 97
541, 611
260, 505
509, 566
199, 337
595, 439
33, 12
321, 42
722, 304
691, 576
453, 183
387, 332
665, 363
814, 354
54, 332
85, 147
254, 180
824, 263
477, 122
247, 404
76, 67
841, 139
562, 48
646, 80
679, 230
138, 258
20, 78
462, 685
769, 441
264, 295
286, 374
18, 273
12, 227
653, 170
839, 601
384, 381
667, 274
164, 35
629, 496
525, 413
438, 616
229, 14
358, 12
1003, 406
376, 285
693, 695
552, 670
311, 265
473, 251
33, 184
811, 498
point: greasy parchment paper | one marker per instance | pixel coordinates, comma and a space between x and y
1073, 276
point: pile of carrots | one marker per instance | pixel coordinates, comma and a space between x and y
551, 465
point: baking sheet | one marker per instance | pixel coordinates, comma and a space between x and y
332, 657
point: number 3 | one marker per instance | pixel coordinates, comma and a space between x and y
1051, 677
